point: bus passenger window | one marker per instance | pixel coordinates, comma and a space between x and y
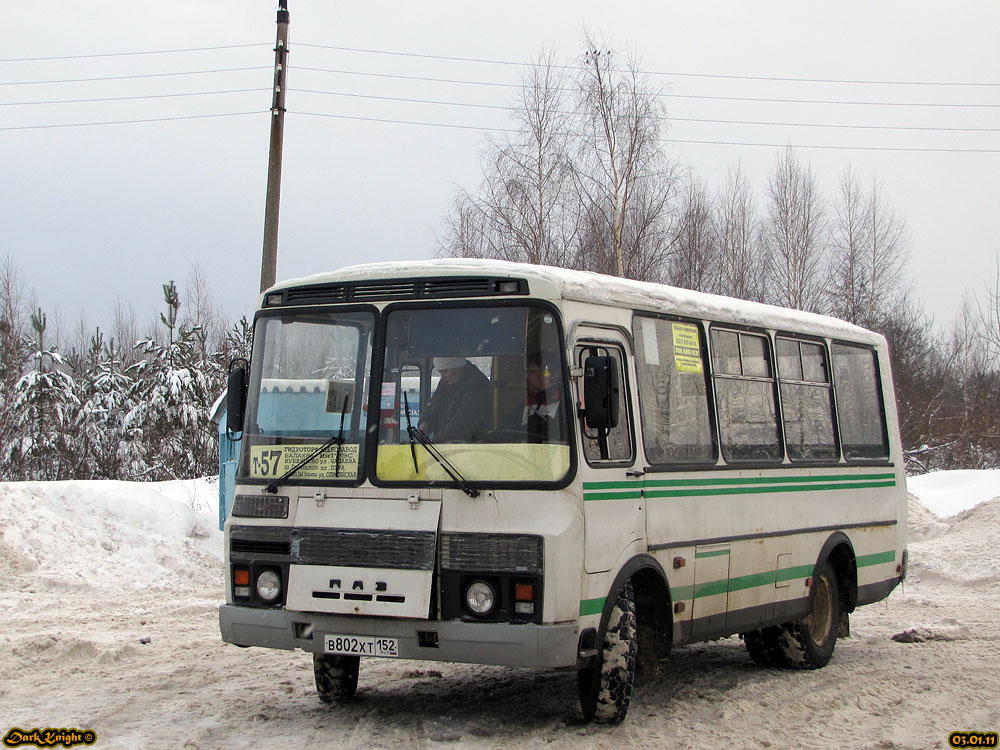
745, 397
806, 400
859, 403
673, 394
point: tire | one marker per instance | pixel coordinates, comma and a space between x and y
336, 676
764, 646
808, 643
606, 686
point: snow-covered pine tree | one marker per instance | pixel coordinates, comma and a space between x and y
47, 448
170, 418
13, 360
109, 396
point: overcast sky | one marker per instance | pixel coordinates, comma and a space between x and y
95, 213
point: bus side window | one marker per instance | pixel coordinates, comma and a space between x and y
745, 396
614, 445
673, 394
806, 400
859, 403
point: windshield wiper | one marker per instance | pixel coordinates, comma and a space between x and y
421, 436
337, 440
409, 427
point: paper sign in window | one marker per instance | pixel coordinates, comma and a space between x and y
687, 348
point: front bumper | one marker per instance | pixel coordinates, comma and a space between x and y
527, 645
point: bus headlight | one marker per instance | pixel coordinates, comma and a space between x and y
480, 598
268, 585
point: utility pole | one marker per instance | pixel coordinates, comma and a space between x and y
269, 258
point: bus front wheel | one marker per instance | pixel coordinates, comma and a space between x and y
606, 686
336, 676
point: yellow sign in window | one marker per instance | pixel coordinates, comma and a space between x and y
687, 348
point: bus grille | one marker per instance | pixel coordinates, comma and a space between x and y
356, 548
363, 548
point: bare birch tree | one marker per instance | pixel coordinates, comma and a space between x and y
742, 262
867, 252
624, 179
793, 233
521, 210
847, 243
693, 260
988, 320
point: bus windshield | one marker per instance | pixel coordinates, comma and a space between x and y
473, 393
308, 389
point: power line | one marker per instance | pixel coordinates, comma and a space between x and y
506, 63
140, 75
133, 98
405, 122
487, 61
131, 122
412, 100
663, 140
672, 118
129, 54
767, 100
413, 78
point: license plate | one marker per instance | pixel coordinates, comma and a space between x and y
360, 645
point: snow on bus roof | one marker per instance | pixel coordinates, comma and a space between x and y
586, 286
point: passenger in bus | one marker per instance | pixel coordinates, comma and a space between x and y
541, 417
460, 408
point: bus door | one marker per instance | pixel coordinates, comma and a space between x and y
612, 493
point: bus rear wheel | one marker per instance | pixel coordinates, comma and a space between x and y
808, 643
336, 676
764, 646
606, 686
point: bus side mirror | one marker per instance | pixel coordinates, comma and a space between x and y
236, 396
601, 392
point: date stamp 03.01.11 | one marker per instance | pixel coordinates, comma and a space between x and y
972, 739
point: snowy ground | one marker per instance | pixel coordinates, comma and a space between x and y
91, 570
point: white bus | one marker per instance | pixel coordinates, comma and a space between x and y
616, 469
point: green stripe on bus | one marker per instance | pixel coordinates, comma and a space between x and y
798, 478
705, 492
771, 577
611, 485
765, 480
740, 583
768, 578
733, 486
877, 559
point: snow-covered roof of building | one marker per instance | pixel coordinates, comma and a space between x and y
584, 286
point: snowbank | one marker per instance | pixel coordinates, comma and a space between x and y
103, 535
946, 493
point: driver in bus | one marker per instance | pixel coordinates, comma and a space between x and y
460, 408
